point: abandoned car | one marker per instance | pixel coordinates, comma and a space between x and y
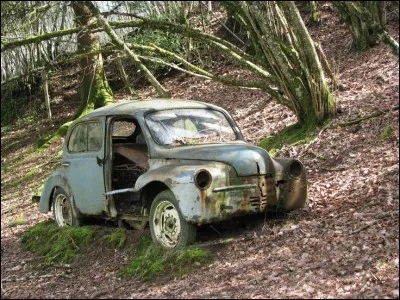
172, 164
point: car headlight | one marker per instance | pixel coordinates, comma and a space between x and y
202, 179
295, 168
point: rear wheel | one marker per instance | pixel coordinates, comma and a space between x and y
167, 226
63, 211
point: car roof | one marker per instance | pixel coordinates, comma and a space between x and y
131, 107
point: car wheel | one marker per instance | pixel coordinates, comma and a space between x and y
167, 226
63, 211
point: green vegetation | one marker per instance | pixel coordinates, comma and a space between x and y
151, 260
20, 220
294, 135
170, 41
57, 244
117, 238
386, 133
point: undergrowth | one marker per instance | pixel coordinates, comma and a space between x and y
151, 261
56, 244
117, 238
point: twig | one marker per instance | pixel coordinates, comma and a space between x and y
73, 242
333, 170
215, 230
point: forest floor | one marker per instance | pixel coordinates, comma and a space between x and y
345, 244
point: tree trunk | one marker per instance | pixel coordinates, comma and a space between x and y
95, 91
366, 20
288, 53
46, 93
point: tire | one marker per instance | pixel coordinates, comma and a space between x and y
167, 226
63, 211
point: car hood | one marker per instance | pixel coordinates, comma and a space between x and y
245, 159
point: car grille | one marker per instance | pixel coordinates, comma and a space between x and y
259, 203
266, 189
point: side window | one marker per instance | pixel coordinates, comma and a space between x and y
123, 128
78, 139
86, 137
95, 137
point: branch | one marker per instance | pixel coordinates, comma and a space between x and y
162, 92
357, 121
200, 72
239, 55
377, 218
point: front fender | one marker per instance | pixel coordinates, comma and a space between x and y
179, 178
56, 179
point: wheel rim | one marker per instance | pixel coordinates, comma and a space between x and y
166, 224
62, 211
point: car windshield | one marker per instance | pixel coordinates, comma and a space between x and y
190, 126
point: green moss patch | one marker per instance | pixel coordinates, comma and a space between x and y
20, 220
295, 134
151, 261
117, 238
56, 244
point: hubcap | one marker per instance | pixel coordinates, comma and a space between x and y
62, 211
166, 224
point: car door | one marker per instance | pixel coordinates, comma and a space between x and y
84, 166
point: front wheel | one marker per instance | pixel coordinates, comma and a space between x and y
63, 212
167, 226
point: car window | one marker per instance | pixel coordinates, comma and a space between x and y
94, 136
123, 128
86, 137
78, 139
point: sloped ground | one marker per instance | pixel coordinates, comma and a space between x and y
344, 245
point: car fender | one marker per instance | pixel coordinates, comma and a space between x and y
56, 179
179, 178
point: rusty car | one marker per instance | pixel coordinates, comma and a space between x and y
168, 164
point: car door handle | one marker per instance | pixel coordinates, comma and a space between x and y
65, 163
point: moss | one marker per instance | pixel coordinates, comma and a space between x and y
386, 133
295, 134
151, 261
117, 238
57, 244
20, 220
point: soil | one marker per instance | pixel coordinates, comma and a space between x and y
345, 244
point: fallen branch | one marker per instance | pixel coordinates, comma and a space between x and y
357, 121
377, 218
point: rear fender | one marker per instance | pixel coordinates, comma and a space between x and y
57, 179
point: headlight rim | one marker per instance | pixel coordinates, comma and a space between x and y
196, 179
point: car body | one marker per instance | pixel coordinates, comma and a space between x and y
172, 164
